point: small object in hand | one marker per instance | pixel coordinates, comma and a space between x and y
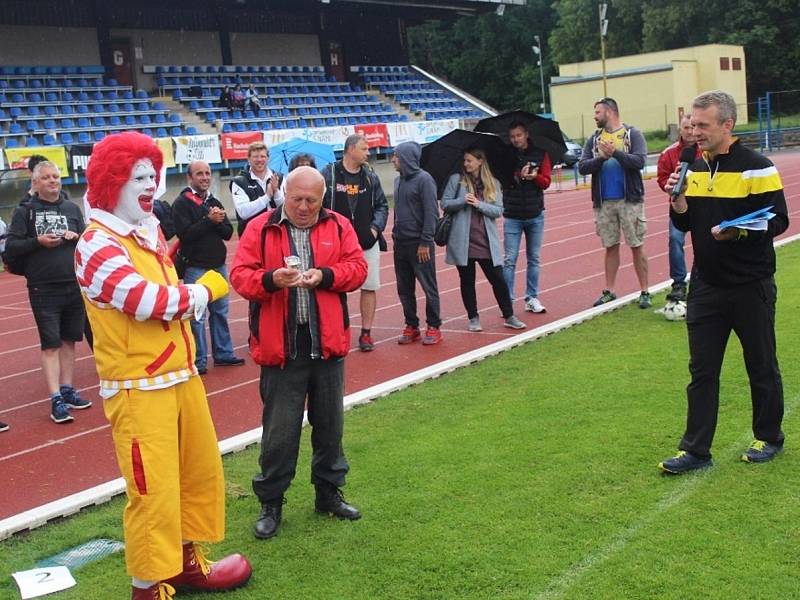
292, 262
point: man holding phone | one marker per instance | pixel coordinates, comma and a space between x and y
524, 213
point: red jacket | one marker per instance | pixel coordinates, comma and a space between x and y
336, 252
669, 160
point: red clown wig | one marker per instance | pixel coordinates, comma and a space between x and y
111, 165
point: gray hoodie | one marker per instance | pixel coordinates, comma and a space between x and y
416, 208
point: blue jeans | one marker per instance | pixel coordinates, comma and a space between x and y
221, 344
534, 232
677, 258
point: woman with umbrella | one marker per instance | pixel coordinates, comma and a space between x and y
475, 200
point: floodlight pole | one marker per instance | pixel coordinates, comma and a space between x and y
603, 8
537, 50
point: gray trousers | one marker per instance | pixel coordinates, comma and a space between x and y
284, 392
408, 270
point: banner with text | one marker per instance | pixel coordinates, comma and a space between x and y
376, 133
234, 145
197, 147
18, 157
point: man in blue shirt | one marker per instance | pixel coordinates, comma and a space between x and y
615, 155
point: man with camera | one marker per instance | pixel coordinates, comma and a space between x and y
42, 235
256, 189
524, 213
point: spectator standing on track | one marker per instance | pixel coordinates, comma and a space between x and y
156, 404
524, 214
3, 232
298, 160
203, 228
44, 233
296, 264
354, 191
667, 163
732, 287
32, 162
256, 189
614, 155
416, 211
475, 201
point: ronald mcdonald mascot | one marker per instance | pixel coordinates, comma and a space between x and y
154, 399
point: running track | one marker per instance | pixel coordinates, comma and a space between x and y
41, 462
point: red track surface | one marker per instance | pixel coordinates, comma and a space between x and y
41, 461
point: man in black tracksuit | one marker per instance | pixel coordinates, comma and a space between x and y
732, 286
354, 190
202, 228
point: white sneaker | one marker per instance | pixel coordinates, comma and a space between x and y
475, 324
533, 305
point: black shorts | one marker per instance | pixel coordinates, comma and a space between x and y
59, 313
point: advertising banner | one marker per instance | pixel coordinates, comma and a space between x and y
18, 157
333, 136
234, 145
377, 134
196, 147
429, 131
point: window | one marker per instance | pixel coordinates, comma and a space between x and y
724, 63
736, 64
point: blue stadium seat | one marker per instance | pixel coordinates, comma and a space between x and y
31, 141
15, 128
50, 110
160, 118
67, 124
66, 138
130, 120
32, 125
99, 108
161, 132
176, 131
174, 118
240, 127
12, 143
145, 120
191, 130
84, 137
226, 128
127, 107
252, 126
147, 131
113, 108
49, 124
84, 123
33, 111
49, 140
99, 135
115, 121
99, 121
141, 95
14, 112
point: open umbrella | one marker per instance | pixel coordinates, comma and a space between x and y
545, 134
281, 154
445, 156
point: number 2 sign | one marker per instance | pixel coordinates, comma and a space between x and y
40, 582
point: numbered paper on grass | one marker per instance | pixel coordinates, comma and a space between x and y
40, 582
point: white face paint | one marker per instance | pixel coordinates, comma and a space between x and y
136, 196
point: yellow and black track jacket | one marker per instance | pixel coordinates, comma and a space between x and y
731, 185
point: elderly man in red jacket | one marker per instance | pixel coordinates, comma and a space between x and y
667, 163
296, 264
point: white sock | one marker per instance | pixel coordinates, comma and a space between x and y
142, 584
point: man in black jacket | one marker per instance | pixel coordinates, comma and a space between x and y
256, 189
524, 213
733, 281
354, 190
43, 234
202, 228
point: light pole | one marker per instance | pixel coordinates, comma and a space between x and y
537, 50
602, 10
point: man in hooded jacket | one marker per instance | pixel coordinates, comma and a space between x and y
415, 213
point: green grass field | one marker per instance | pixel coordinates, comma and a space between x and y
529, 475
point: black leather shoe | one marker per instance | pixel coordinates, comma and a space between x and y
229, 362
269, 519
331, 500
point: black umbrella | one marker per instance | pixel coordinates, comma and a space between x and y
445, 156
545, 134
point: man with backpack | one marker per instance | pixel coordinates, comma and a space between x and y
41, 246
